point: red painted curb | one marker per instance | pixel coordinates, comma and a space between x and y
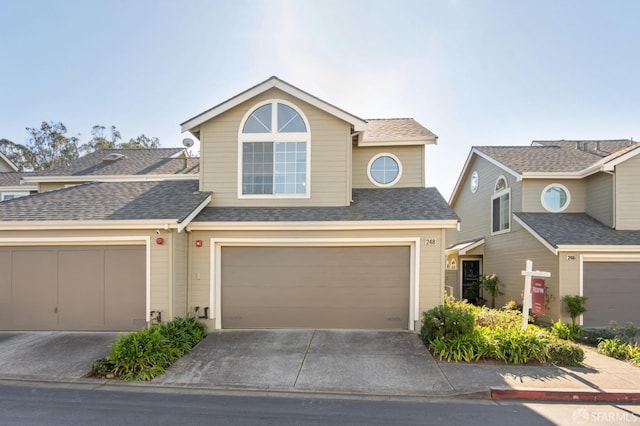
564, 395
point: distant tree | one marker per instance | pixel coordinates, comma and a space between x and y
50, 146
141, 142
100, 140
19, 155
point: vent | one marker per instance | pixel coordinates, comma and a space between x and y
113, 157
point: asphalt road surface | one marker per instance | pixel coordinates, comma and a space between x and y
34, 404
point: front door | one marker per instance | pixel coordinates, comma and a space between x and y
470, 275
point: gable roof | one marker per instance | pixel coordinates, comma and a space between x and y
565, 231
399, 130
124, 162
193, 123
8, 162
12, 181
388, 204
560, 159
170, 203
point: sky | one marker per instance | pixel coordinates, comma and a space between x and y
474, 72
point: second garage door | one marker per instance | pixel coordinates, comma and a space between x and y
72, 288
315, 287
613, 291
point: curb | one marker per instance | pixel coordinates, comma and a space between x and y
565, 395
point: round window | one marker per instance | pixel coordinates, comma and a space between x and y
384, 170
555, 197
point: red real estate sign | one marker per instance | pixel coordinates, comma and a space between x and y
537, 295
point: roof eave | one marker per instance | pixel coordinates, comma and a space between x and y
537, 236
9, 162
398, 141
187, 220
328, 225
113, 178
273, 82
598, 248
89, 224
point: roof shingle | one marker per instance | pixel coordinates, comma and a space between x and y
396, 128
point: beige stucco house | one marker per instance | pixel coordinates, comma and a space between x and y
572, 207
298, 214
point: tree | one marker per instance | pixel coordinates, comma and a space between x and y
491, 285
50, 147
141, 142
18, 154
100, 140
576, 306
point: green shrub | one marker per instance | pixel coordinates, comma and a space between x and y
449, 320
486, 317
627, 331
491, 285
566, 331
467, 348
634, 355
576, 306
564, 353
614, 348
516, 346
593, 336
183, 334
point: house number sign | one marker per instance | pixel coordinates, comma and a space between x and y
430, 241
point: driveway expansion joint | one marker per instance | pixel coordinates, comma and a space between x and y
304, 357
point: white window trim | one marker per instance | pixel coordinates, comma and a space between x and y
16, 194
215, 278
566, 191
476, 178
275, 137
493, 197
393, 182
495, 185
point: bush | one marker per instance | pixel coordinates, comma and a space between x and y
564, 353
467, 348
566, 331
614, 348
576, 306
627, 331
634, 355
593, 336
516, 346
449, 320
147, 353
486, 317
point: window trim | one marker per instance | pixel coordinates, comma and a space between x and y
566, 191
16, 194
494, 196
274, 137
373, 159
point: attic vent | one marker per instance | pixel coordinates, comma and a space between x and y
113, 157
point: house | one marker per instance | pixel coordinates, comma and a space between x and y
11, 181
300, 215
572, 207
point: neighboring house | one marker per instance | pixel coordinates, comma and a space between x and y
304, 215
572, 207
11, 181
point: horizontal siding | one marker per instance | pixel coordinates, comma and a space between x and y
600, 197
627, 199
431, 261
411, 158
330, 140
532, 193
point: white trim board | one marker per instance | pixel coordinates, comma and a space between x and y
215, 275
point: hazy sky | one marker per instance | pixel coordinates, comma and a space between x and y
475, 72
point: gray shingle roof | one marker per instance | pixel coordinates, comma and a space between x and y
396, 128
576, 229
13, 178
557, 156
135, 162
368, 204
173, 200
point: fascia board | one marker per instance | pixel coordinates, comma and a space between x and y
537, 236
610, 165
397, 141
93, 224
598, 248
310, 226
111, 178
193, 214
9, 162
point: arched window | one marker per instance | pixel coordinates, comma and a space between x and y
274, 150
501, 207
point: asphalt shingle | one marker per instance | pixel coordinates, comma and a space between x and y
108, 201
156, 161
396, 128
576, 229
12, 178
368, 204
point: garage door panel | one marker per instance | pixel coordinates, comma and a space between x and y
613, 291
81, 289
125, 288
321, 287
34, 288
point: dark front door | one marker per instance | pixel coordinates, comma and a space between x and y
470, 275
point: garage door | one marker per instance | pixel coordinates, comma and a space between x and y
315, 287
72, 288
613, 289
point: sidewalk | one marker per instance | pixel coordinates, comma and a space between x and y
600, 379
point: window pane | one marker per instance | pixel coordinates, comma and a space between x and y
289, 120
555, 198
501, 216
259, 121
384, 170
257, 170
290, 172
501, 184
495, 220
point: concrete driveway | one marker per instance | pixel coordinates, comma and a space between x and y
373, 362
51, 355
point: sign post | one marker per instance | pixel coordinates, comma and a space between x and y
529, 273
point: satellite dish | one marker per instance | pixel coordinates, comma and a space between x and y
187, 142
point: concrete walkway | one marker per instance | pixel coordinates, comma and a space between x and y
361, 363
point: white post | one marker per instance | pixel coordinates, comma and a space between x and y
526, 300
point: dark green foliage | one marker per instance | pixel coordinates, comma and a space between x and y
451, 319
614, 348
571, 332
564, 353
516, 346
576, 306
147, 353
593, 336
